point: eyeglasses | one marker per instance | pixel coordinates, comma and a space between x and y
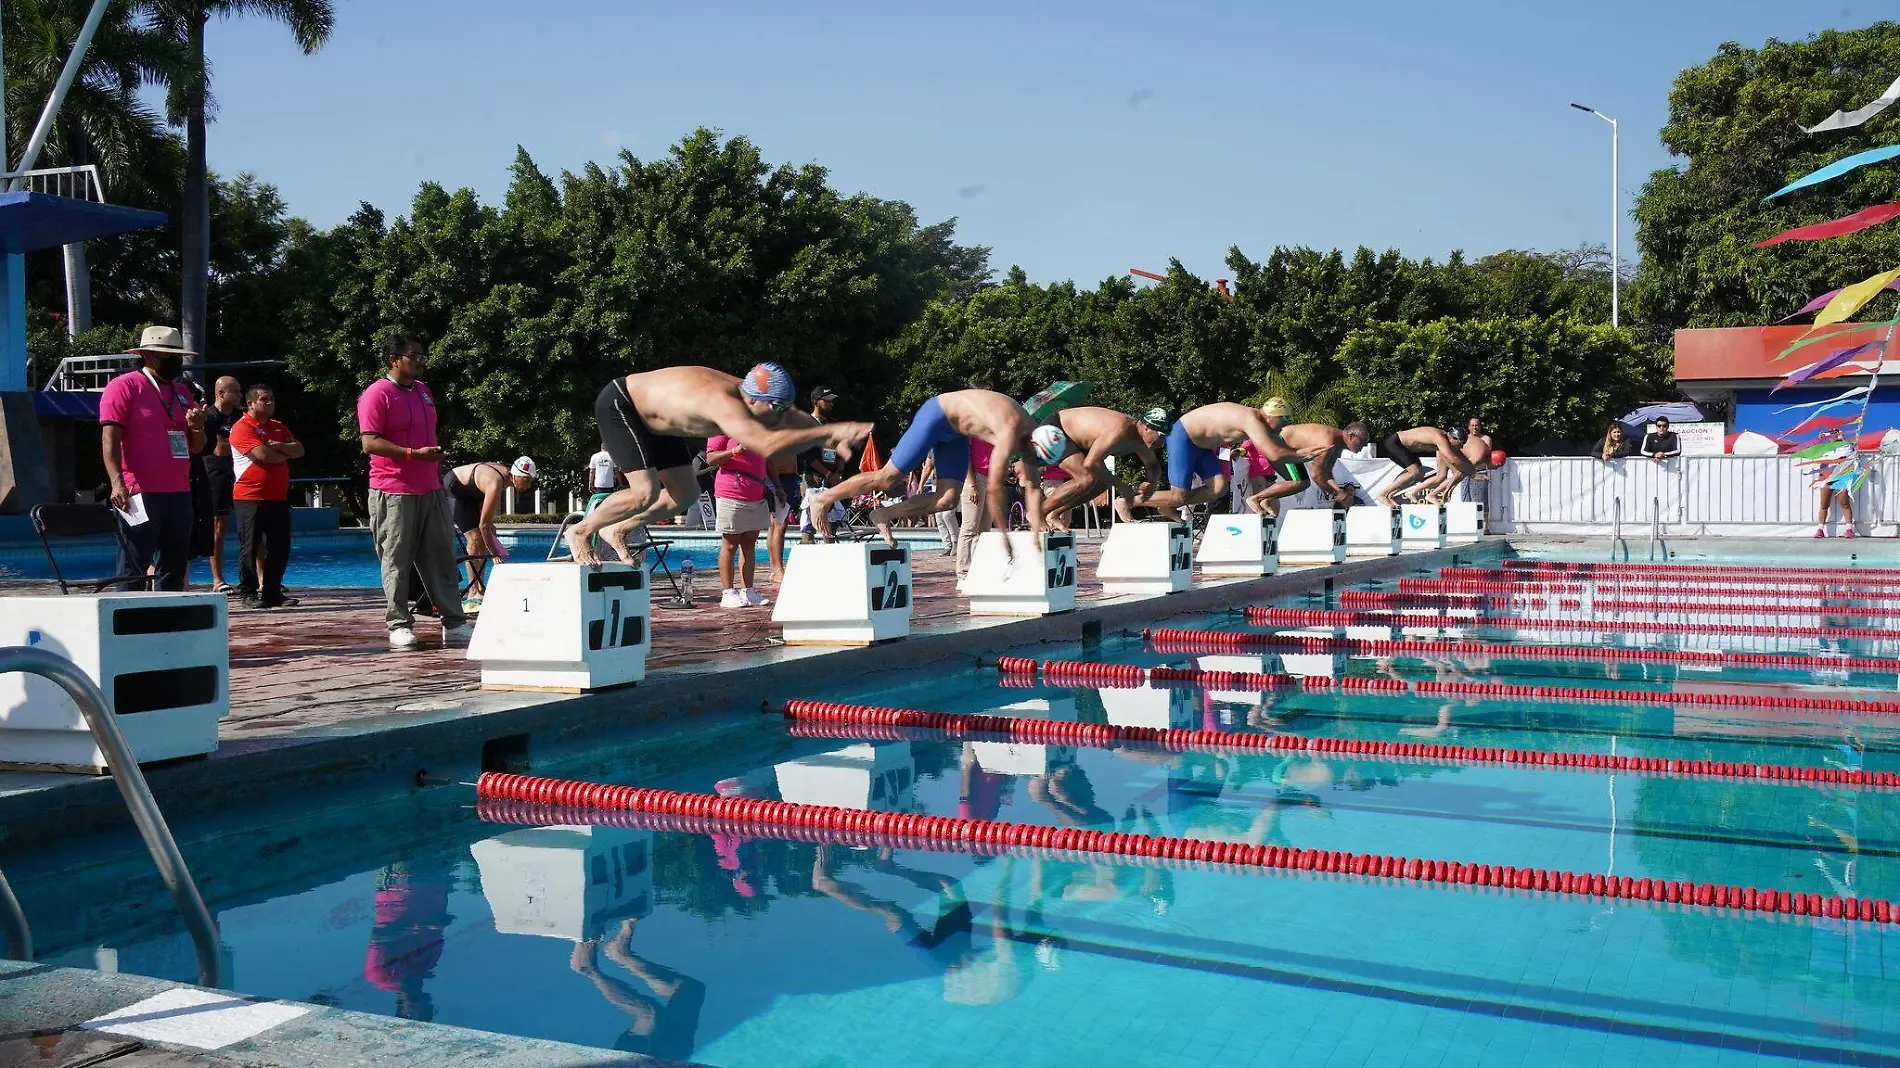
778, 408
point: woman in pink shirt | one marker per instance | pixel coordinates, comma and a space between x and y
740, 512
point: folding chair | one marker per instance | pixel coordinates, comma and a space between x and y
56, 521
659, 546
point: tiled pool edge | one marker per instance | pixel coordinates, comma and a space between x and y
40, 999
450, 744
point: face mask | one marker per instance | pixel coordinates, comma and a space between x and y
169, 367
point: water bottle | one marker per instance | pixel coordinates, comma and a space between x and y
687, 571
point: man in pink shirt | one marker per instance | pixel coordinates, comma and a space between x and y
150, 423
408, 516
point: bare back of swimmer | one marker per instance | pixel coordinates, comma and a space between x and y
647, 419
1191, 452
1319, 471
1403, 447
1095, 434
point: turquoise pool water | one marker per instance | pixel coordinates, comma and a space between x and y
748, 951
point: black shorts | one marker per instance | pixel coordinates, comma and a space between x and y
633, 446
1395, 451
1290, 471
223, 479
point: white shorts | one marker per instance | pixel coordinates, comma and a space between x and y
739, 517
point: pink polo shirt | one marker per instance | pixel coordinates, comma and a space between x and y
404, 417
148, 412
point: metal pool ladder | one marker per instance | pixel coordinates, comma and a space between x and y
1655, 531
1616, 530
138, 800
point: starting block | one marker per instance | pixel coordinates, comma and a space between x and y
1421, 527
163, 660
853, 593
1313, 536
1372, 530
1039, 581
881, 777
1027, 759
1145, 559
566, 882
563, 628
1148, 705
1464, 522
1246, 545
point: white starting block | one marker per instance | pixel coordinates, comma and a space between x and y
881, 777
1252, 662
1312, 536
1040, 580
1421, 527
1372, 530
1027, 759
1162, 707
563, 628
1146, 559
1464, 522
566, 882
1246, 545
853, 593
163, 660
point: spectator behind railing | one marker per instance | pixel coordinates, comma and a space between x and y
1615, 445
1661, 443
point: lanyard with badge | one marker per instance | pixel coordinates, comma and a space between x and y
168, 400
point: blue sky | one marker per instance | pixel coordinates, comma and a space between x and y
1077, 140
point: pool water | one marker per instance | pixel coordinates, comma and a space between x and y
746, 951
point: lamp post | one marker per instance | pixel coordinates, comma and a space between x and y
1616, 219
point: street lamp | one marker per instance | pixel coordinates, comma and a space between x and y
1616, 219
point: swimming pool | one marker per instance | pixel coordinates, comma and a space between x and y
746, 949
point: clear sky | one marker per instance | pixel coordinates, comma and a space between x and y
1076, 139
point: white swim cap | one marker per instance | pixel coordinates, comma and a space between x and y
1050, 443
523, 467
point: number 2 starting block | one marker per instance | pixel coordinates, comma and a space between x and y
1372, 530
1246, 545
1421, 527
1038, 581
562, 628
1313, 536
1464, 522
853, 593
1144, 559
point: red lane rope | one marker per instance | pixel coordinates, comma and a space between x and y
1129, 674
1588, 568
1671, 583
858, 720
962, 834
1203, 641
1532, 602
1319, 617
1676, 593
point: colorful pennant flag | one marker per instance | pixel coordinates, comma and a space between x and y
1816, 423
1818, 336
1841, 227
1847, 120
1825, 363
1821, 449
1823, 405
1849, 300
1837, 168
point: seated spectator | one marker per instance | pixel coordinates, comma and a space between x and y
261, 448
1614, 446
1661, 443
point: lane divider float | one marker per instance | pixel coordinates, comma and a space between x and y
1601, 589
1532, 602
1685, 580
1322, 617
1713, 571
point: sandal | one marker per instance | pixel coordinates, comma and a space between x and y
225, 588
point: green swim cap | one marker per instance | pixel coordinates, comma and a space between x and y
1157, 419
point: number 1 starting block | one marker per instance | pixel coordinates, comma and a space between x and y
853, 593
1246, 545
1313, 536
1421, 527
562, 627
1372, 530
1145, 559
1038, 581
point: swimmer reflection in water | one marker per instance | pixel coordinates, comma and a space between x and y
662, 1023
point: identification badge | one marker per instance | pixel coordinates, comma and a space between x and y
181, 449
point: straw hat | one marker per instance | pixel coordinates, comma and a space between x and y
161, 339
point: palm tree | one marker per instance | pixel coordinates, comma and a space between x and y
183, 21
104, 121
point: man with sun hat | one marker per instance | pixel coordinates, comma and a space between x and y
647, 419
151, 423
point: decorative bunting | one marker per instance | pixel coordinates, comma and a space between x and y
1849, 300
1847, 120
1823, 405
1818, 336
1821, 449
1825, 363
1841, 227
1837, 168
1820, 423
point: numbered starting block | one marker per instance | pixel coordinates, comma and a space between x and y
1464, 522
1039, 581
566, 882
1161, 707
563, 628
1372, 530
163, 661
1313, 536
854, 593
1145, 559
1421, 527
1245, 545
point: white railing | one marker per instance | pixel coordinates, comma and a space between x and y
89, 374
80, 183
1752, 496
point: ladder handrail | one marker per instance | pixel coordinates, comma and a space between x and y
137, 794
1655, 528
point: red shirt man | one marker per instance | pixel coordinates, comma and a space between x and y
261, 448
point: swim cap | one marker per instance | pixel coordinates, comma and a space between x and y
768, 382
1050, 443
523, 467
1156, 419
1277, 407
1456, 434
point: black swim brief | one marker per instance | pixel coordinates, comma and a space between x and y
466, 502
629, 442
1395, 451
1289, 471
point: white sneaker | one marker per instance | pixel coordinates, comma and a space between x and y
452, 636
753, 598
734, 598
402, 638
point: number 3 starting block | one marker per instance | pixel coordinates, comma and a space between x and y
1039, 581
1313, 536
1247, 544
1372, 530
562, 628
1144, 559
855, 593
